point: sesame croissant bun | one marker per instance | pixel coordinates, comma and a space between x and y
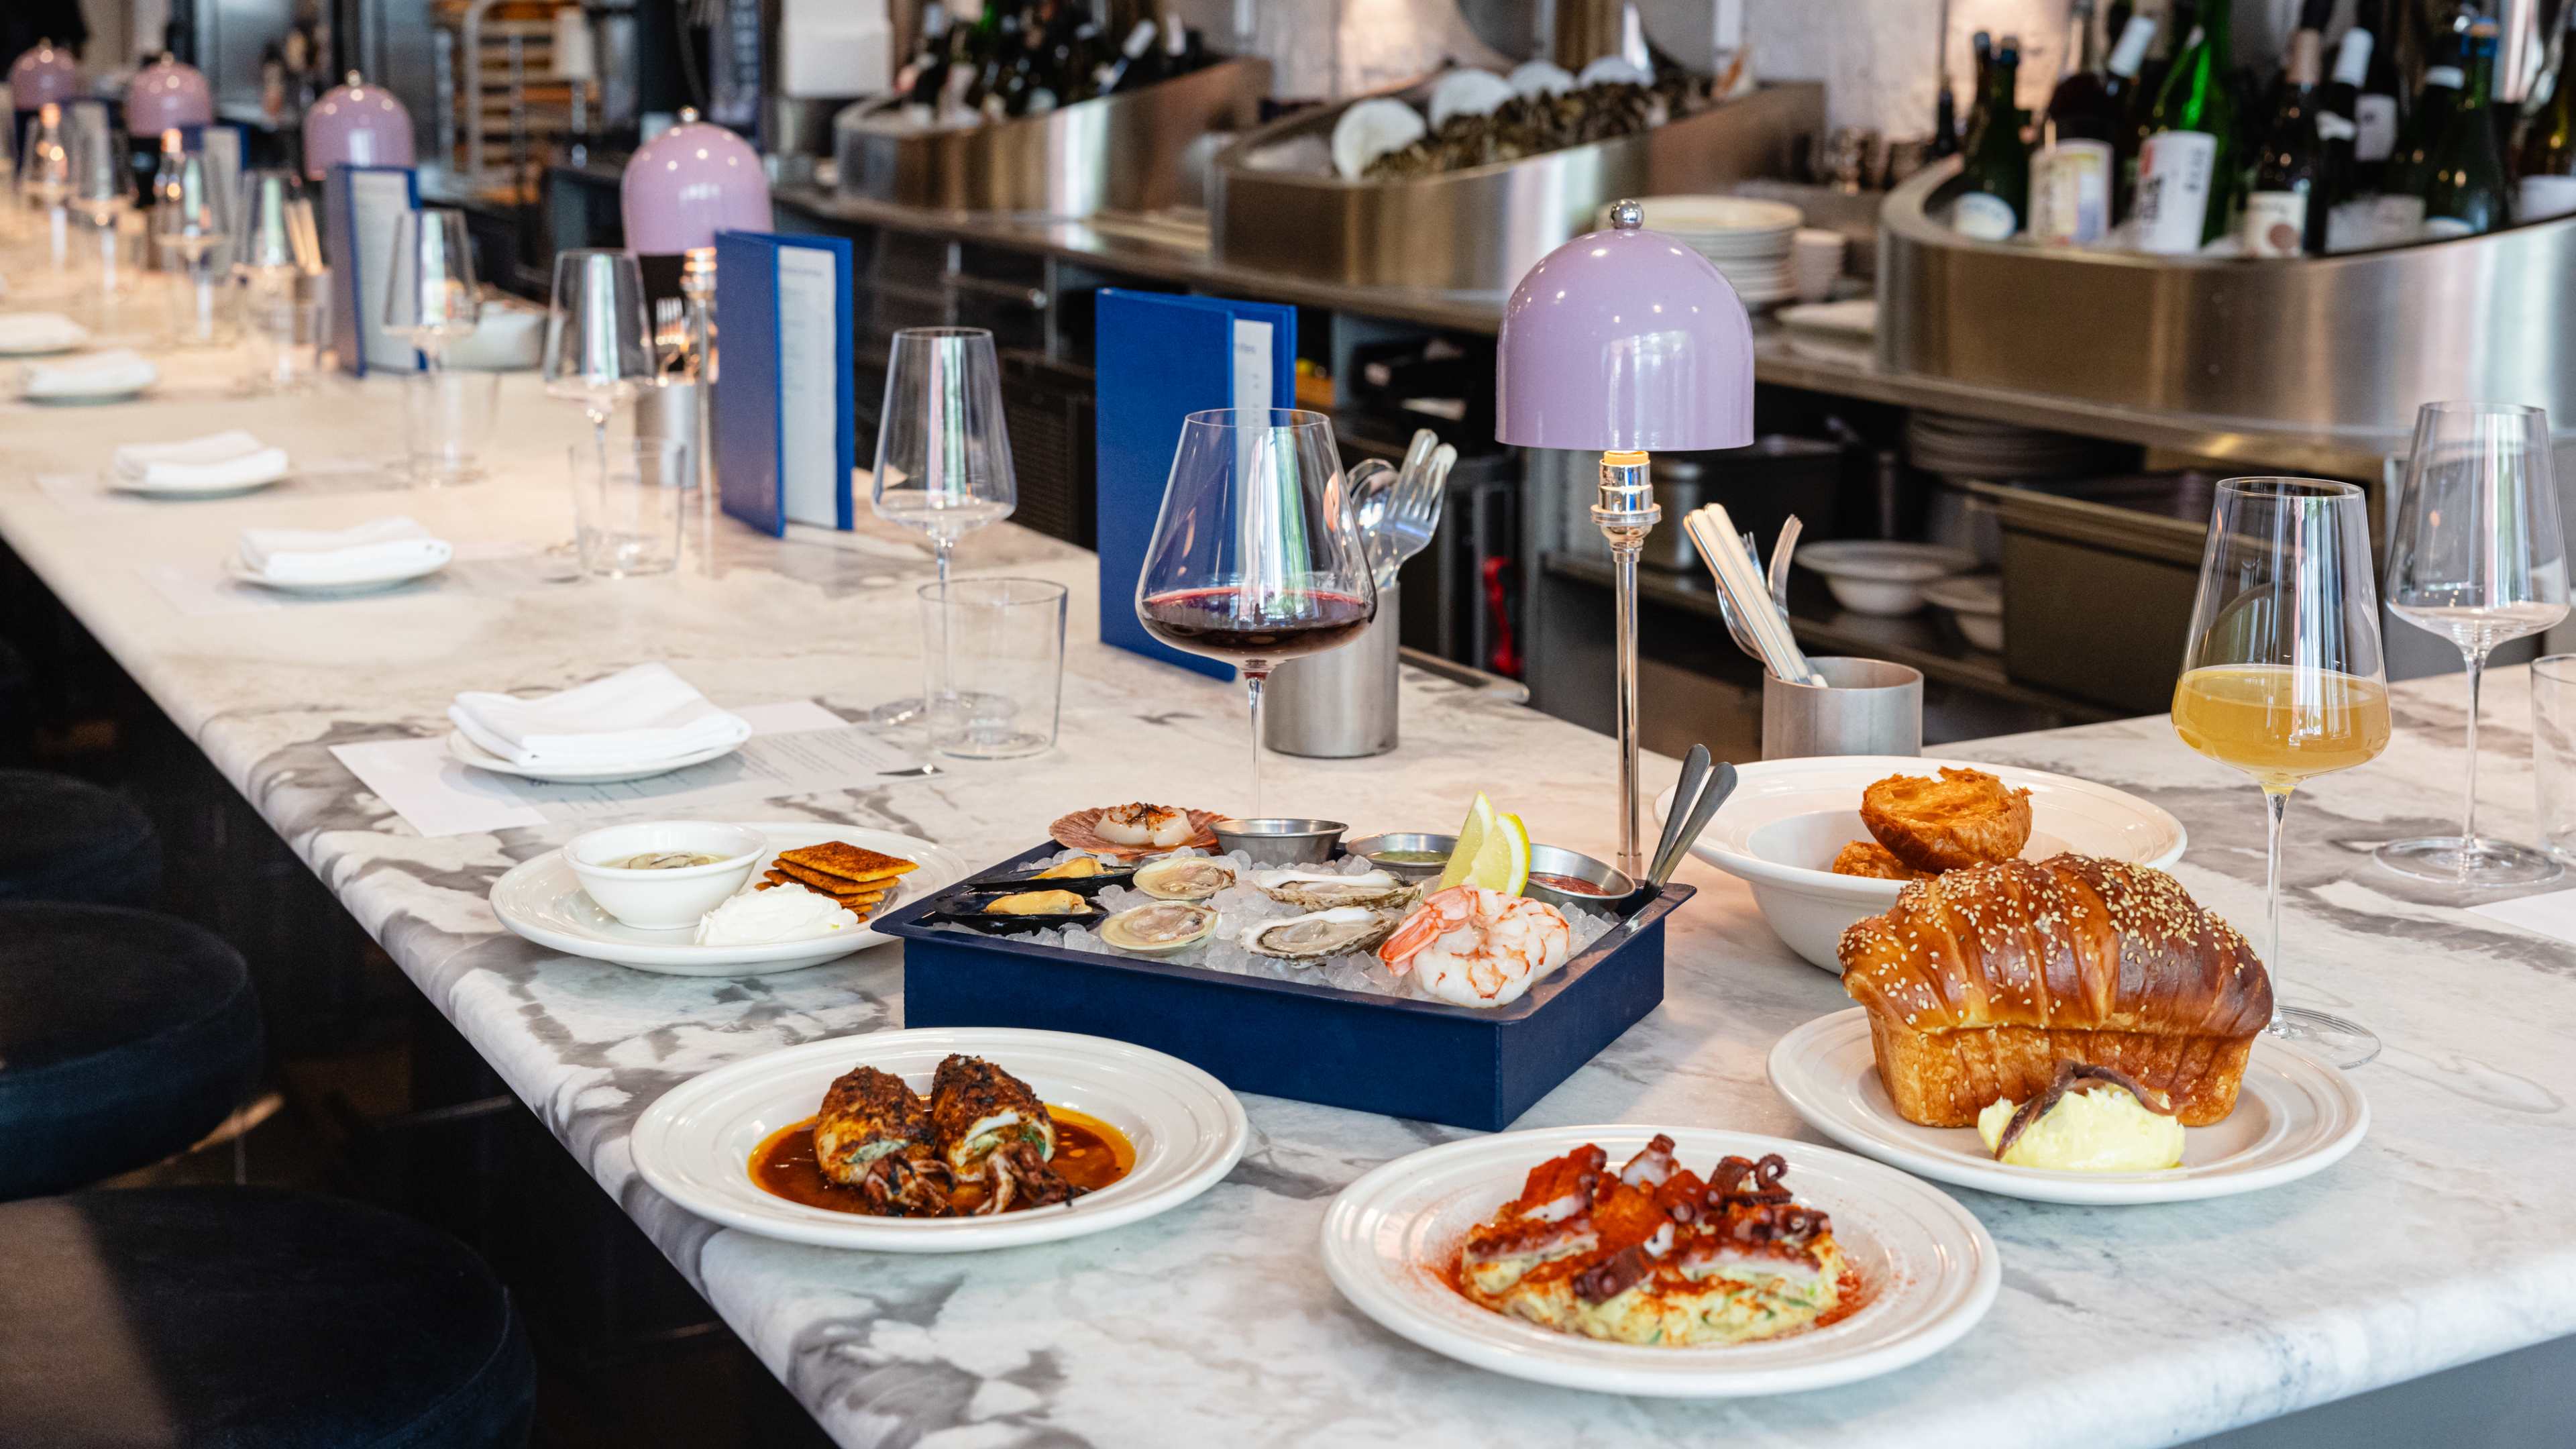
1979, 981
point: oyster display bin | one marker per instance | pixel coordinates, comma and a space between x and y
1419, 1059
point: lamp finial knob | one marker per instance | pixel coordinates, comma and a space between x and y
1627, 214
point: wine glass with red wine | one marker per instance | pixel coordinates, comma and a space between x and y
1257, 556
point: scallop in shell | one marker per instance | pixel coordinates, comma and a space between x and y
1322, 890
1160, 929
1184, 877
1320, 935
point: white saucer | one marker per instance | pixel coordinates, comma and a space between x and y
2294, 1115
1929, 1269
695, 1145
466, 752
229, 488
353, 584
540, 900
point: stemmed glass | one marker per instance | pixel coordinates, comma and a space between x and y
599, 353
1257, 556
45, 183
97, 190
188, 227
943, 449
276, 264
2476, 556
432, 299
2283, 678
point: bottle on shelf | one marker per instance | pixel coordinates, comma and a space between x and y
2071, 170
2338, 102
1121, 70
2410, 163
1945, 121
1982, 46
924, 78
2188, 173
2547, 161
1994, 181
2468, 193
2376, 111
2285, 208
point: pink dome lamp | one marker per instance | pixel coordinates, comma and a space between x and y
46, 75
355, 124
167, 95
688, 183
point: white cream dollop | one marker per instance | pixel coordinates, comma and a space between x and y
2095, 1129
781, 913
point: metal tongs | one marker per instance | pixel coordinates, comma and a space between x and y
1754, 605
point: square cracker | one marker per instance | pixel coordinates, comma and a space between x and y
849, 862
830, 884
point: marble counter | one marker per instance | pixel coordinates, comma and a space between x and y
1214, 1324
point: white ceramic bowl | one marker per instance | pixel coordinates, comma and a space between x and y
664, 900
1779, 831
1874, 577
1976, 604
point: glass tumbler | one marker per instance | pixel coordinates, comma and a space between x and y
447, 420
629, 501
284, 330
2553, 751
992, 666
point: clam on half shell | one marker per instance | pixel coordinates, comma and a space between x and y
1323, 890
1320, 935
1161, 929
1183, 877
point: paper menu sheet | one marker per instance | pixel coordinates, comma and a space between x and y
2552, 913
797, 747
808, 375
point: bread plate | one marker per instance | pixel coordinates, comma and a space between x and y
2294, 1116
1928, 1270
695, 1145
1778, 832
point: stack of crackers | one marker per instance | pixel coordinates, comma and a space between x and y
856, 877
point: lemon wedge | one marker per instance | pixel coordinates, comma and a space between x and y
1492, 851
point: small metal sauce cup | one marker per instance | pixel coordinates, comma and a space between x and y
1557, 860
1372, 849
1280, 840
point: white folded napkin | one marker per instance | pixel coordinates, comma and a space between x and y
507, 337
220, 460
638, 716
40, 332
91, 374
377, 549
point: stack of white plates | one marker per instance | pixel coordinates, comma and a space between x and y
1976, 448
1749, 241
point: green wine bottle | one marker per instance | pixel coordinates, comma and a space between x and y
1994, 180
2188, 174
2468, 193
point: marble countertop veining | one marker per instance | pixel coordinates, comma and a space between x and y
1214, 1323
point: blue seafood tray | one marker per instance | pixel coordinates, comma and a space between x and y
1420, 1059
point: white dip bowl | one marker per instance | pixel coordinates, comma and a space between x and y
664, 900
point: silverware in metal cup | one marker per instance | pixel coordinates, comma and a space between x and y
1864, 707
1280, 840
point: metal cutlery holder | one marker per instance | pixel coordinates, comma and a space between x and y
1865, 707
1339, 705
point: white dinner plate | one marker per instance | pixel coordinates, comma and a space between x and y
359, 583
1927, 1267
695, 1145
2294, 1115
230, 488
466, 752
540, 900
1780, 829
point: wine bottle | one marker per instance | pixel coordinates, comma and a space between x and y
2070, 172
1994, 182
925, 76
2547, 162
2188, 175
2285, 211
1982, 47
2410, 164
1120, 70
2377, 110
2338, 102
2122, 84
2467, 193
1945, 121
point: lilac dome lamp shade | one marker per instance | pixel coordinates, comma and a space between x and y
1625, 342
167, 95
45, 75
687, 184
355, 124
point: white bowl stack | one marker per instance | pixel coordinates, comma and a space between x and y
1748, 240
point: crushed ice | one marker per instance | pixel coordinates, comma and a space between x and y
1241, 905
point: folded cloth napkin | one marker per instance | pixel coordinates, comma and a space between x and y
40, 332
219, 460
638, 716
378, 549
91, 374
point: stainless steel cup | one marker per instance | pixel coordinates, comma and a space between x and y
1341, 705
1864, 707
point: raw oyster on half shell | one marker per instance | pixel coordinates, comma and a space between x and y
1183, 877
1161, 929
1320, 935
1324, 890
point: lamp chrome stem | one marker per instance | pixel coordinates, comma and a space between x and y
1626, 513
698, 286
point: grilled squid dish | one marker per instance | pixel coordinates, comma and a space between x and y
989, 1124
873, 1134
982, 1143
1654, 1253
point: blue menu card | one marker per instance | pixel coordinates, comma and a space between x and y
785, 422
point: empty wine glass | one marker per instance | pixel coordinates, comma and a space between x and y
2477, 557
943, 461
432, 299
2282, 676
1257, 556
188, 227
598, 350
97, 192
45, 183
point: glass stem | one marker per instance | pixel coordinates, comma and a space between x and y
947, 641
2476, 662
2276, 804
1252, 682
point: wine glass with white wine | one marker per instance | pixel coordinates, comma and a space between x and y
2283, 678
2477, 557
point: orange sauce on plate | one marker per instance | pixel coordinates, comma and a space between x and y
1089, 1153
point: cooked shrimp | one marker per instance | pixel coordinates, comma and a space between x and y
1478, 947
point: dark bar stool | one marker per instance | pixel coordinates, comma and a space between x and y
124, 1037
17, 706
247, 1316
63, 839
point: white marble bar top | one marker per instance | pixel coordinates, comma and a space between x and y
2441, 1240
